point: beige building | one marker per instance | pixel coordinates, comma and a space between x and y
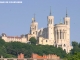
54, 34
22, 38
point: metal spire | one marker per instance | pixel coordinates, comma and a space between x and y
34, 17
50, 10
61, 21
66, 12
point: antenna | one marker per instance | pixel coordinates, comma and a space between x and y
66, 12
50, 10
34, 16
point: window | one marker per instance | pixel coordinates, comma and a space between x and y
59, 45
57, 35
64, 45
41, 40
60, 34
66, 22
51, 21
46, 40
33, 28
33, 32
63, 35
64, 49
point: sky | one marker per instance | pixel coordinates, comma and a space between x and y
15, 19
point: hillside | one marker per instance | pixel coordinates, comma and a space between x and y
12, 49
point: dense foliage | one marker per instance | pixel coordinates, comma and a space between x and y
12, 49
33, 40
75, 52
76, 47
75, 56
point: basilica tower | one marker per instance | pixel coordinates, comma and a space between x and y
50, 26
34, 27
67, 23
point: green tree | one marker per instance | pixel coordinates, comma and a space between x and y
79, 45
76, 47
76, 56
2, 42
12, 49
33, 40
74, 44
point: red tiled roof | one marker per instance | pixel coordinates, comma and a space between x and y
14, 37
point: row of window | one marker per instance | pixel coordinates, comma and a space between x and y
32, 28
50, 21
66, 22
14, 39
35, 32
61, 45
60, 34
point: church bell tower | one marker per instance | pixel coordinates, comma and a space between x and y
34, 27
50, 26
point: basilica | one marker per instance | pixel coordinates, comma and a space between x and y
57, 35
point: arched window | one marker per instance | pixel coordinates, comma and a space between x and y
64, 49
66, 22
57, 35
63, 33
51, 21
64, 45
46, 40
33, 32
60, 34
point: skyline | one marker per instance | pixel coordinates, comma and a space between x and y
16, 18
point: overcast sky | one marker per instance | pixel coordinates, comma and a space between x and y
15, 19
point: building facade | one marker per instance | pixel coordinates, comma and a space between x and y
22, 38
54, 34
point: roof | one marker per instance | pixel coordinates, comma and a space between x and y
14, 37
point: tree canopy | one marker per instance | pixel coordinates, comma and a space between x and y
2, 42
33, 40
12, 49
75, 52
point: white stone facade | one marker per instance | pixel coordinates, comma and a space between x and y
54, 34
6, 38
